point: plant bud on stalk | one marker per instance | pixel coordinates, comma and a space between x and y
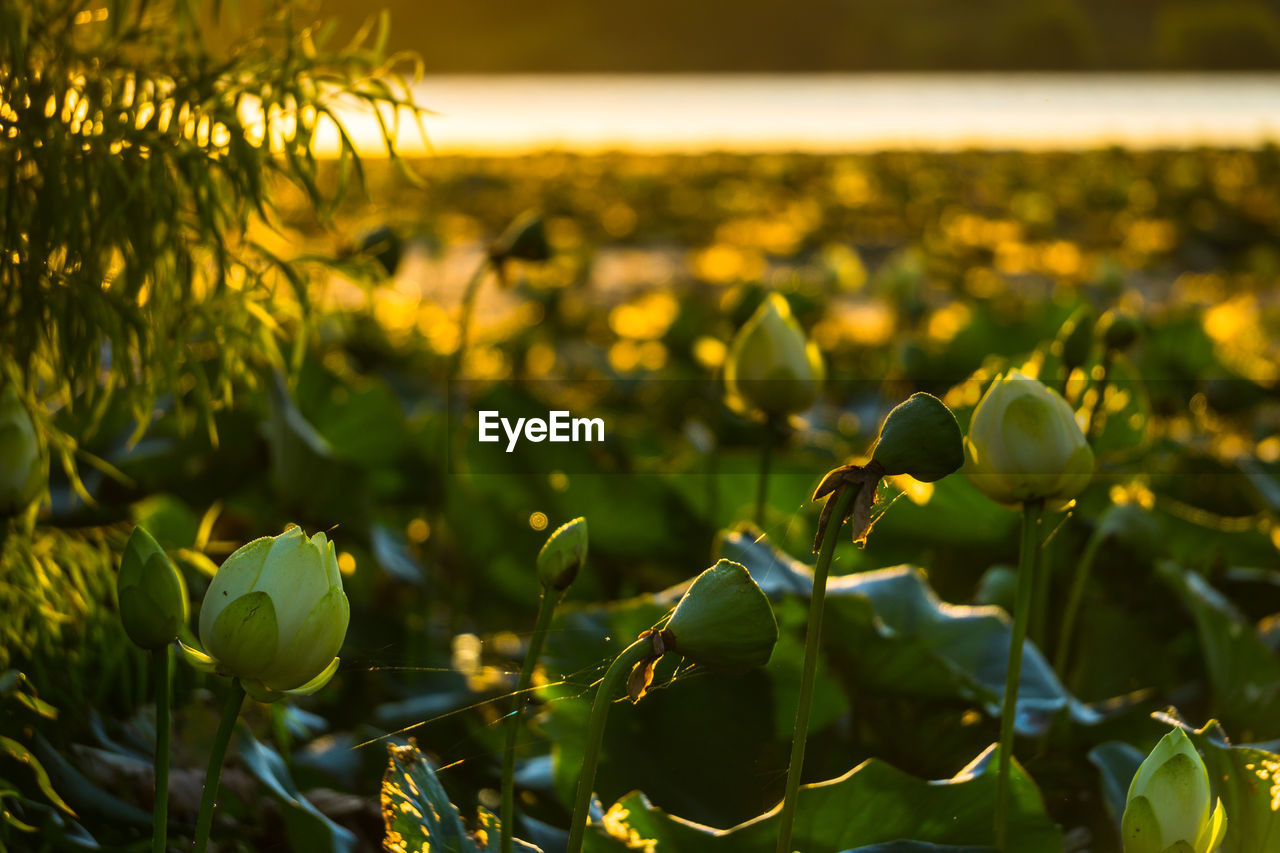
920, 437
1024, 444
772, 366
524, 240
275, 616
23, 468
563, 555
723, 619
1075, 339
151, 591
1118, 330
1167, 810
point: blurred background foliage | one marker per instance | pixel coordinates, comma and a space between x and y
836, 35
220, 337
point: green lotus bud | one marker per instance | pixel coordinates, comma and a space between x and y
275, 615
151, 591
384, 245
921, 438
1075, 338
1118, 329
1168, 804
23, 469
771, 365
524, 240
563, 555
723, 619
998, 586
1024, 444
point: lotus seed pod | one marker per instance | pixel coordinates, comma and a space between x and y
1024, 444
524, 240
151, 591
771, 366
921, 438
23, 468
1118, 329
1076, 338
723, 619
1167, 809
275, 615
563, 555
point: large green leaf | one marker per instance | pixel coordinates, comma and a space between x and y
742, 718
891, 630
307, 827
1243, 671
871, 804
418, 815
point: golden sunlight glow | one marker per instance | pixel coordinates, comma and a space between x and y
826, 113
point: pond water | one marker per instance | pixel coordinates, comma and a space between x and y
835, 112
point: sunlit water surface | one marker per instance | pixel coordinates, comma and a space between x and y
837, 112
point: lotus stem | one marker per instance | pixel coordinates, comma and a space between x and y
614, 679
546, 609
162, 669
1062, 654
1028, 560
808, 676
766, 454
1098, 414
230, 713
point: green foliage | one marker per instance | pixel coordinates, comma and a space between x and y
1245, 777
419, 816
871, 803
137, 174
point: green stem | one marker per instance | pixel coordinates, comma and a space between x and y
546, 609
162, 667
766, 454
464, 318
230, 712
1038, 624
1062, 654
1098, 414
1028, 559
453, 402
813, 635
614, 678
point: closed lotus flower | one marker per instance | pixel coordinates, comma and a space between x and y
22, 465
151, 591
1024, 444
771, 365
275, 616
1168, 804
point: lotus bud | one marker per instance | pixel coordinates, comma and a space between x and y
151, 591
275, 615
998, 586
771, 365
382, 244
723, 619
524, 240
1167, 810
563, 555
1075, 338
1118, 330
23, 469
921, 438
1024, 444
